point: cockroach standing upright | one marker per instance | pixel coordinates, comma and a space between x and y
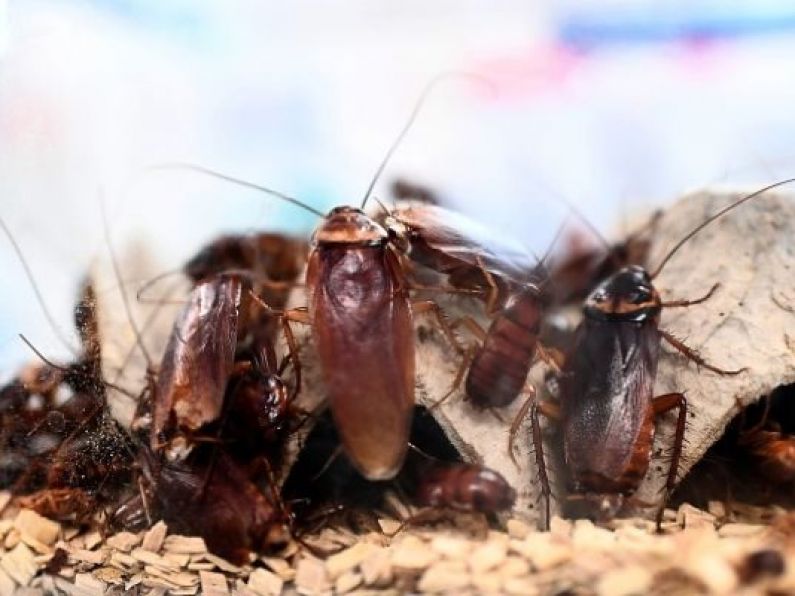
362, 321
607, 410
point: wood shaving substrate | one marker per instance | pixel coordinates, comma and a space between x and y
721, 551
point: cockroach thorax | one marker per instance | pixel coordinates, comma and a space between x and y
349, 225
626, 295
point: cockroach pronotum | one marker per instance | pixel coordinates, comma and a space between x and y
607, 410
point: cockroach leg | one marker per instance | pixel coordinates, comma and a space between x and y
472, 326
292, 347
429, 306
662, 404
494, 290
459, 376
684, 303
691, 354
517, 422
552, 357
538, 443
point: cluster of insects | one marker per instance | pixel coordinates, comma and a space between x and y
207, 443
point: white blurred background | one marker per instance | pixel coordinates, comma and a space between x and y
616, 105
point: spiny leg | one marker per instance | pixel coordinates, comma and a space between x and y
494, 290
425, 306
662, 404
517, 423
685, 303
538, 444
459, 376
691, 354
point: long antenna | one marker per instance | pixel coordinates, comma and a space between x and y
39, 297
122, 289
412, 117
208, 172
709, 220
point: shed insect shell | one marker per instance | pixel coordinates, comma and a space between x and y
363, 331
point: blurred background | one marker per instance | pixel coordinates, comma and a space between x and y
617, 106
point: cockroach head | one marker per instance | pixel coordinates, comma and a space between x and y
349, 225
627, 295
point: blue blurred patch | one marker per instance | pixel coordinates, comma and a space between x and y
586, 23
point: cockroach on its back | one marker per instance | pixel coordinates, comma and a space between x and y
607, 411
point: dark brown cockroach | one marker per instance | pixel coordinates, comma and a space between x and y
406, 190
462, 487
575, 271
607, 410
210, 495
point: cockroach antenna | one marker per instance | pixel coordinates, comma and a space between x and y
122, 289
39, 297
712, 218
233, 180
418, 105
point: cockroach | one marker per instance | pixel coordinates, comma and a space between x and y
198, 360
607, 410
771, 449
362, 321
406, 190
497, 369
462, 487
62, 504
212, 497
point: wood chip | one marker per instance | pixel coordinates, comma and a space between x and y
94, 557
149, 558
445, 577
412, 553
11, 539
377, 569
517, 529
7, 585
19, 564
124, 541
92, 540
180, 560
389, 526
189, 545
5, 498
182, 579
36, 545
110, 575
311, 577
155, 537
280, 567
488, 556
122, 560
213, 584
222, 564
265, 583
452, 547
347, 582
624, 581
348, 559
740, 530
37, 527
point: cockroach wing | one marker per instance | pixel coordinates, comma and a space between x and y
198, 359
606, 400
364, 335
459, 238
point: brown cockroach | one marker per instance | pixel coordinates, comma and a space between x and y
607, 410
771, 449
473, 258
462, 487
62, 504
212, 496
